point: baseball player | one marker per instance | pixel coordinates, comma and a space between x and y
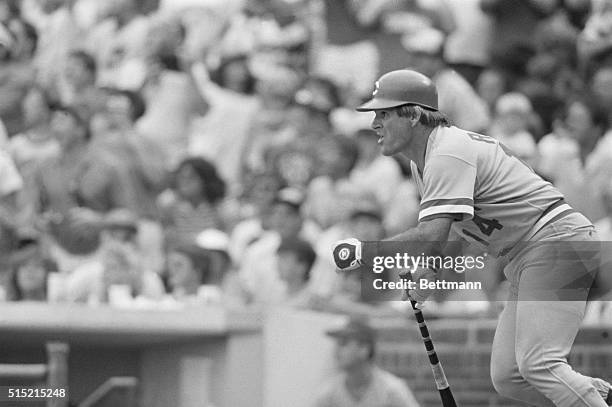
473, 185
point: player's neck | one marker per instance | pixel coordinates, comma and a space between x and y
417, 149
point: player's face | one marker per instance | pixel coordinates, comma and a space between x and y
394, 132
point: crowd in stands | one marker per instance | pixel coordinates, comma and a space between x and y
206, 150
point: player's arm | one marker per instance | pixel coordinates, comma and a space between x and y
428, 237
432, 230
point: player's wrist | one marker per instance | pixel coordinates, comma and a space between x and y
369, 250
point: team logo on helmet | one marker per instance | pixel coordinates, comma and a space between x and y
344, 253
376, 88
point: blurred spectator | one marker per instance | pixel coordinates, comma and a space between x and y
234, 74
260, 190
571, 155
216, 244
11, 183
85, 181
18, 41
295, 259
9, 10
77, 87
456, 97
36, 144
595, 42
170, 91
361, 382
118, 42
330, 194
120, 226
30, 269
366, 220
227, 90
191, 206
187, 269
467, 47
259, 270
314, 102
490, 86
510, 125
113, 132
601, 87
402, 16
222, 276
116, 264
544, 102
58, 34
514, 25
306, 120
294, 163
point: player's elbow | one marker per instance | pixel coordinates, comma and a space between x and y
435, 230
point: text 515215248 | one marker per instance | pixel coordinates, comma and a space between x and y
8, 393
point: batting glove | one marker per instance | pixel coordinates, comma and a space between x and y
347, 254
420, 295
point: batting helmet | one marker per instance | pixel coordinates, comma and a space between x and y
402, 87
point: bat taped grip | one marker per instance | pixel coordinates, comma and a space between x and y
439, 377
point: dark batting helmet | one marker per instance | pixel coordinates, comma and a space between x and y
402, 87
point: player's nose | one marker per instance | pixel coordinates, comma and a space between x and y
376, 124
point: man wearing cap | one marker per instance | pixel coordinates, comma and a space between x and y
361, 382
477, 188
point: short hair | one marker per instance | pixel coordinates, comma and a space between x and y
429, 118
86, 59
138, 106
213, 185
80, 119
250, 80
199, 258
28, 250
169, 61
302, 250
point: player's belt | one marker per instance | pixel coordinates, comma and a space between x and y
554, 212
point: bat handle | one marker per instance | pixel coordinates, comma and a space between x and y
436, 367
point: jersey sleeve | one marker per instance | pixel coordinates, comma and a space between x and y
448, 188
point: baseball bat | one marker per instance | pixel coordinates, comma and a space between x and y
448, 400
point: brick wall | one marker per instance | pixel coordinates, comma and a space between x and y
464, 347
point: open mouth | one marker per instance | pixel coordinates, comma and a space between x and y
380, 139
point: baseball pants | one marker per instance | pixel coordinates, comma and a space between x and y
549, 279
